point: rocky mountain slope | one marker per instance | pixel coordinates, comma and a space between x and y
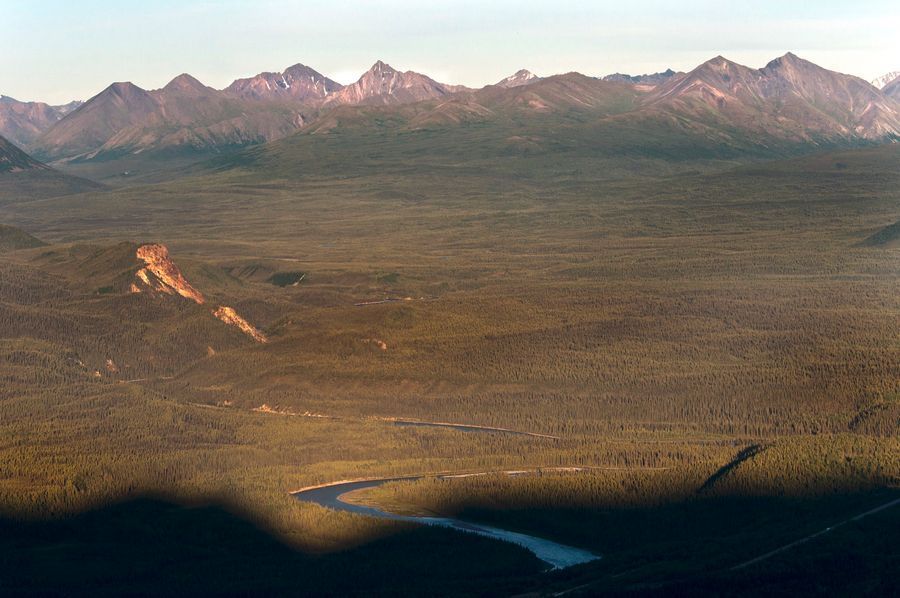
511, 109
892, 89
790, 98
76, 301
382, 85
296, 83
185, 115
23, 122
119, 106
517, 79
188, 116
650, 80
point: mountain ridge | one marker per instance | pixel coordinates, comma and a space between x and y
383, 84
185, 115
298, 82
13, 159
23, 122
789, 98
652, 79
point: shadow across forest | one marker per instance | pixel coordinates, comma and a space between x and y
842, 543
747, 453
152, 546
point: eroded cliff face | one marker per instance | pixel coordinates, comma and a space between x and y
161, 275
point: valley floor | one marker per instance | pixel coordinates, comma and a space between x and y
719, 351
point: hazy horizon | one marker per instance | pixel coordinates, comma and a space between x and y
66, 51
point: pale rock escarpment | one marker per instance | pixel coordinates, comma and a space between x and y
232, 318
160, 274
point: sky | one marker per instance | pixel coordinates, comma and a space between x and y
59, 50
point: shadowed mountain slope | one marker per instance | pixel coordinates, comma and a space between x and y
12, 239
23, 178
14, 160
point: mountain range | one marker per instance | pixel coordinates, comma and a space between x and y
790, 100
297, 83
23, 122
383, 84
185, 115
650, 80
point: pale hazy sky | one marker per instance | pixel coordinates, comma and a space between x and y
58, 50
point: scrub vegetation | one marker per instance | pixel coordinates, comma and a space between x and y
716, 341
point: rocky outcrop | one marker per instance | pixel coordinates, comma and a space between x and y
377, 342
161, 275
232, 318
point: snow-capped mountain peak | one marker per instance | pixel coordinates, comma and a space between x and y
519, 78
